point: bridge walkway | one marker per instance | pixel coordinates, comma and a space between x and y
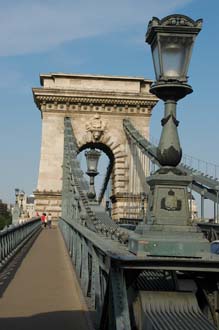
43, 291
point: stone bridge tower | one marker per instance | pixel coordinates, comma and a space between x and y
97, 106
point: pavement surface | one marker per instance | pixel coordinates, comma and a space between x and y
41, 290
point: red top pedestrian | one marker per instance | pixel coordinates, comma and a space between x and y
43, 217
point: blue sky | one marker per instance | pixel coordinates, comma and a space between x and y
97, 37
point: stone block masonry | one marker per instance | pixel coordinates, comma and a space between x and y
97, 106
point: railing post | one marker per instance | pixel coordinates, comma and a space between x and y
78, 255
190, 201
120, 300
202, 204
217, 206
95, 285
84, 268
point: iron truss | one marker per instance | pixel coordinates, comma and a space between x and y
201, 183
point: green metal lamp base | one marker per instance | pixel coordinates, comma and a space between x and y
168, 230
183, 241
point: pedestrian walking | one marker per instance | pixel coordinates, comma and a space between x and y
49, 220
45, 223
44, 220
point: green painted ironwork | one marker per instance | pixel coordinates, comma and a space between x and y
12, 238
200, 183
109, 273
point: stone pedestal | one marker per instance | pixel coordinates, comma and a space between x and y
168, 230
169, 241
168, 197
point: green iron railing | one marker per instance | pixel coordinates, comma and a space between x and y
12, 238
102, 281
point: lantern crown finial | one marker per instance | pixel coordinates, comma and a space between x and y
178, 22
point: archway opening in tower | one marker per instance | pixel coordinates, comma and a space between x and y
88, 154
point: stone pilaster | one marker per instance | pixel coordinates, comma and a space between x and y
48, 202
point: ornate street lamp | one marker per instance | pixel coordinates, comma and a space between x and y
16, 195
143, 199
92, 158
171, 41
167, 229
21, 194
108, 208
16, 210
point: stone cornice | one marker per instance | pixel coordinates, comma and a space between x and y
67, 92
106, 104
42, 193
53, 76
91, 100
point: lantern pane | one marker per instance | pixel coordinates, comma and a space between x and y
155, 54
92, 157
93, 164
174, 57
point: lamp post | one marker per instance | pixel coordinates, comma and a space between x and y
21, 194
167, 229
143, 198
16, 209
171, 41
16, 195
92, 158
108, 209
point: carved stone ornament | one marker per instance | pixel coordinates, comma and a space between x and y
171, 203
96, 127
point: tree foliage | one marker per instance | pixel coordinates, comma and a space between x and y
5, 219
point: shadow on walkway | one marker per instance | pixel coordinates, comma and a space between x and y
40, 289
66, 320
9, 271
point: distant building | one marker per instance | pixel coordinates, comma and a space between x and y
192, 206
30, 206
24, 208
